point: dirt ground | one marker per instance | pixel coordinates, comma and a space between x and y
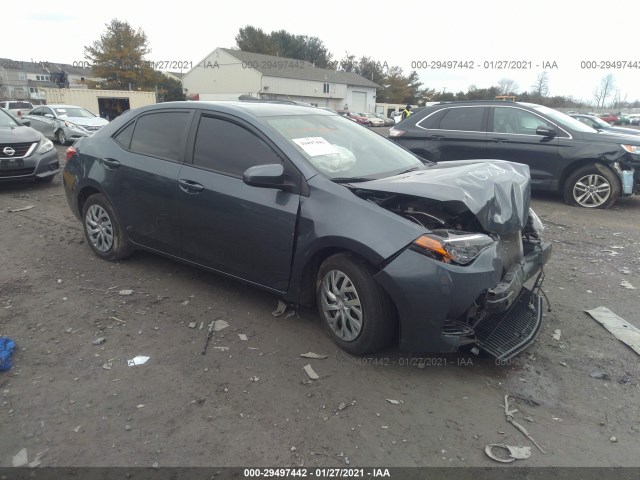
249, 402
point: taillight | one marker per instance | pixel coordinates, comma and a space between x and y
70, 152
396, 132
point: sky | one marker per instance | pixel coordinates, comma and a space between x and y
578, 42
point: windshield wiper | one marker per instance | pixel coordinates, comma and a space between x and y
350, 179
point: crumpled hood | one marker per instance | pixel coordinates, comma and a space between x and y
497, 192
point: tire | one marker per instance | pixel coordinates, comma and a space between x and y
368, 303
102, 229
61, 137
592, 186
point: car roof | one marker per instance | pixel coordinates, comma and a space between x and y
257, 109
61, 105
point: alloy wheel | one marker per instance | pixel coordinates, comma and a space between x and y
341, 305
99, 228
591, 190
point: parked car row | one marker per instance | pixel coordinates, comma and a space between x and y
592, 168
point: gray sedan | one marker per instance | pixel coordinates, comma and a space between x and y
65, 123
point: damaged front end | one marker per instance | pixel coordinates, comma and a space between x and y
462, 281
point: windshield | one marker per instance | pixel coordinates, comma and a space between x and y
73, 112
564, 119
7, 120
343, 150
599, 122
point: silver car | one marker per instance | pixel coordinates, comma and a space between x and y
65, 123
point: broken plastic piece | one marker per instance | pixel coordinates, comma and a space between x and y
20, 459
139, 360
312, 375
395, 402
6, 350
282, 307
313, 355
619, 327
556, 334
243, 337
219, 325
125, 292
21, 209
515, 453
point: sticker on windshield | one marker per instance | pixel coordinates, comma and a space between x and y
316, 146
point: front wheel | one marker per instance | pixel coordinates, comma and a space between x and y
102, 229
61, 137
355, 311
592, 186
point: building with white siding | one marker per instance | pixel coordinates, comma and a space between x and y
225, 74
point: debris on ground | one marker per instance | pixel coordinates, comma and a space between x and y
37, 460
20, 459
282, 307
125, 292
600, 375
219, 325
613, 440
6, 350
139, 360
624, 379
619, 327
290, 313
192, 324
314, 355
394, 402
21, 209
564, 364
626, 284
342, 405
556, 334
514, 453
312, 375
243, 337
99, 341
509, 416
77, 429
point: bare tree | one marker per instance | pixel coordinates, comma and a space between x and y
604, 90
541, 86
508, 86
619, 101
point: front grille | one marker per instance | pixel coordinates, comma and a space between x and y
20, 149
16, 172
506, 334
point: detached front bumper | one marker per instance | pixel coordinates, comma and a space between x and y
429, 294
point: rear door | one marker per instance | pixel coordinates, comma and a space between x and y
141, 173
513, 137
456, 133
225, 224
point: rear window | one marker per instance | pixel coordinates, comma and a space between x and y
20, 106
467, 119
162, 135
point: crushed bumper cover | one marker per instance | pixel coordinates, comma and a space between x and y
427, 292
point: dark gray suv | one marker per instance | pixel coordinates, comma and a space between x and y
590, 168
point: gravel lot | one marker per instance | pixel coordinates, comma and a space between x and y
251, 402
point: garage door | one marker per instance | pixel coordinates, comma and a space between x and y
359, 101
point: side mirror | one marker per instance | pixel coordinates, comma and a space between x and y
265, 176
48, 115
546, 131
26, 122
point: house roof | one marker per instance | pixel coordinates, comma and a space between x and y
175, 74
273, 66
45, 67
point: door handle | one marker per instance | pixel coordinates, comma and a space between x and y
499, 139
110, 163
190, 186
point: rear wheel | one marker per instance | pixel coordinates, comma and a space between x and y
592, 186
102, 229
355, 311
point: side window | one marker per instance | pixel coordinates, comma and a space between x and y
162, 135
433, 120
37, 111
528, 122
504, 120
228, 148
124, 136
463, 118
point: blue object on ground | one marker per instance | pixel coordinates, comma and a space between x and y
6, 350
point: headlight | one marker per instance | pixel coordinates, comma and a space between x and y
46, 145
631, 149
75, 127
536, 223
448, 246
